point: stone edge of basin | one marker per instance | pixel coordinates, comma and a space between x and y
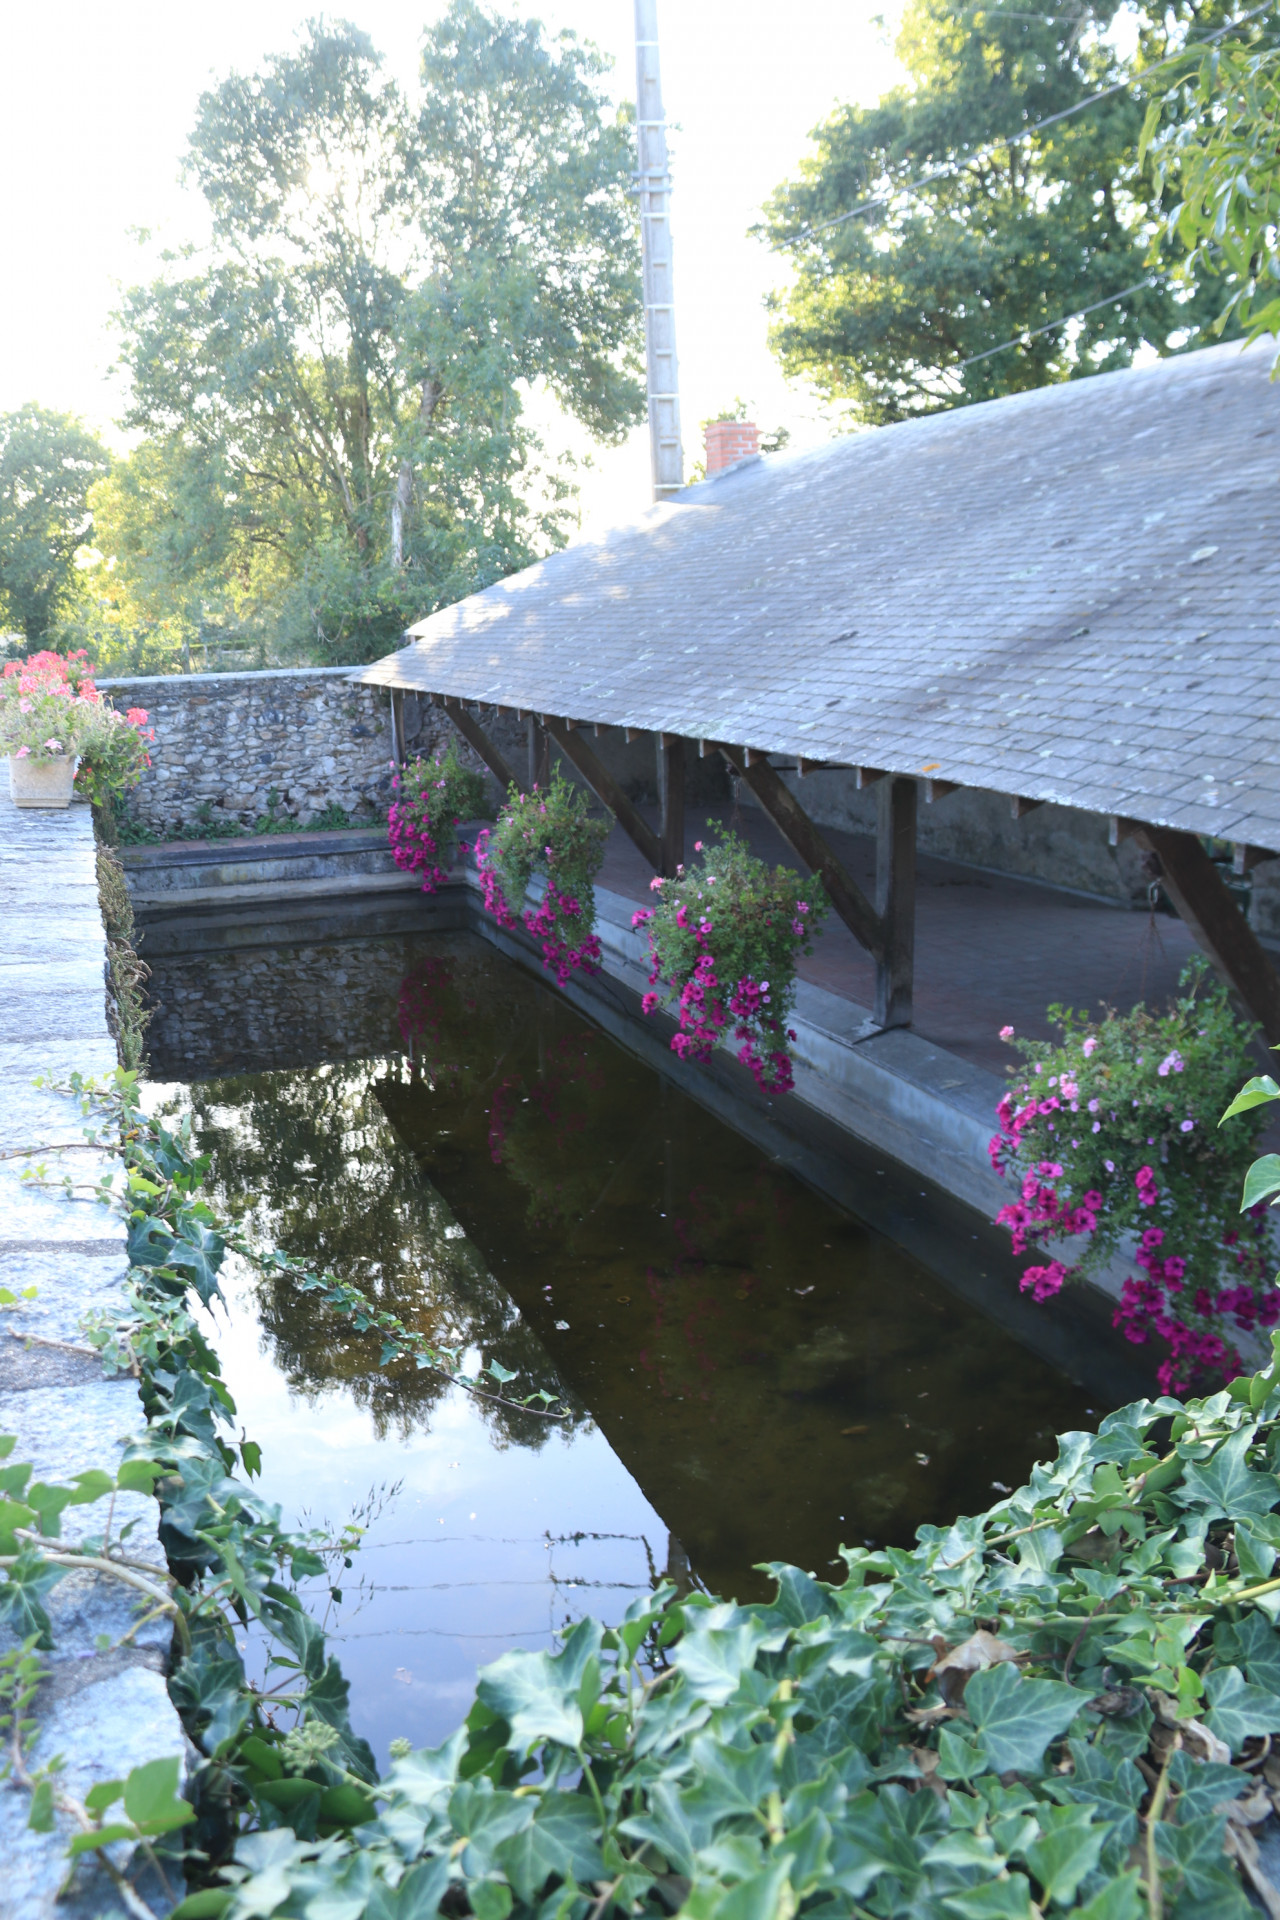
104, 1712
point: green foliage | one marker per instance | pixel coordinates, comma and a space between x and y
1211, 139
48, 462
888, 310
330, 395
998, 1722
126, 974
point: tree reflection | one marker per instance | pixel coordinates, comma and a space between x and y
305, 1160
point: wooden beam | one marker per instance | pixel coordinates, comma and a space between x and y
757, 757
1020, 808
606, 789
938, 790
896, 806
633, 733
706, 748
671, 793
799, 831
475, 736
397, 726
538, 747
1121, 829
867, 777
1205, 902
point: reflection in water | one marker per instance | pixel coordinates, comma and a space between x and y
752, 1373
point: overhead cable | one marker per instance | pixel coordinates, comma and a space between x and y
950, 169
1034, 333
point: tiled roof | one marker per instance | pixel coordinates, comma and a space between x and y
1072, 594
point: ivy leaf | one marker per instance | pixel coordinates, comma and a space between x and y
417, 1897
537, 1693
1261, 1181
1066, 1851
1256, 1557
1004, 1899
1016, 1718
1123, 1899
1225, 1486
198, 1253
1254, 1093
560, 1841
1237, 1711
714, 1658
151, 1797
757, 1898
22, 1597
14, 1513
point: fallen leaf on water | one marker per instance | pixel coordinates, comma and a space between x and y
845, 1431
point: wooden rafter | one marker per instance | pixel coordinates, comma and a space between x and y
573, 745
1205, 902
799, 831
475, 736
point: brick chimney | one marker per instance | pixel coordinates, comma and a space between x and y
728, 442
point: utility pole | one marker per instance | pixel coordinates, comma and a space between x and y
654, 183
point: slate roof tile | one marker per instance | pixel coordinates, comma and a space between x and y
1010, 591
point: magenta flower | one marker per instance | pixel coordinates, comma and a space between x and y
1006, 1033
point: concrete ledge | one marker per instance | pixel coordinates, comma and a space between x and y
104, 1712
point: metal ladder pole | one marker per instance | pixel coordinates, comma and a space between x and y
654, 194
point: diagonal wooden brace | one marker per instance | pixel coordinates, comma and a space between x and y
475, 736
799, 831
1204, 901
572, 744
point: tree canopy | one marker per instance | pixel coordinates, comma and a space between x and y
1212, 142
978, 243
48, 462
333, 393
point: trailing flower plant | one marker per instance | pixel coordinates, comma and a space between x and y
552, 832
50, 710
433, 798
1112, 1138
724, 940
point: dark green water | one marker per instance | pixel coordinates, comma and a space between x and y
754, 1374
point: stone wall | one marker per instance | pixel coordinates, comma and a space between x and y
1059, 845
227, 741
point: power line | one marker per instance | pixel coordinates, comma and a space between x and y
1011, 139
1034, 333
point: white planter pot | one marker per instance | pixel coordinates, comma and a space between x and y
41, 783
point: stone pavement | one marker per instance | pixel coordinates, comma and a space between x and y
102, 1711
991, 951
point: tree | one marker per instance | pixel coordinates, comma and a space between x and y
336, 387
48, 461
974, 240
1212, 138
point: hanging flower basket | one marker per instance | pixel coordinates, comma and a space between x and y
724, 942
1111, 1135
433, 798
550, 832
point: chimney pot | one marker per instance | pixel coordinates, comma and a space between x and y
728, 442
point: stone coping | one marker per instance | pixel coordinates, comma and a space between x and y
104, 1712
233, 673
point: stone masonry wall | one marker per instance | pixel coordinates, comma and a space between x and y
228, 740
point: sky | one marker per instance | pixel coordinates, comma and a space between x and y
100, 100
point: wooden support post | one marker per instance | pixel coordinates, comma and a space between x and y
896, 900
475, 736
539, 752
397, 726
606, 789
1204, 901
671, 792
798, 830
